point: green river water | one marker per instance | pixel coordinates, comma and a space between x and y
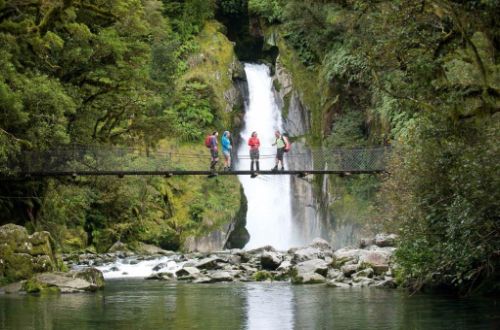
139, 304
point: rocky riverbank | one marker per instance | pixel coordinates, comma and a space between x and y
369, 265
28, 263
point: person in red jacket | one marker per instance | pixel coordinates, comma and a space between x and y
254, 145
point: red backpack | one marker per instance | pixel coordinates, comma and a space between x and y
208, 141
287, 144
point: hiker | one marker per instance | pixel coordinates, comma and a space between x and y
226, 150
214, 150
254, 144
280, 144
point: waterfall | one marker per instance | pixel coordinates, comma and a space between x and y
269, 216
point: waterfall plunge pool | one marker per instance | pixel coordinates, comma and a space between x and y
139, 304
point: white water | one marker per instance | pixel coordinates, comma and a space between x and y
122, 268
269, 216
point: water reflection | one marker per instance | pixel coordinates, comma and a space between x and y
269, 306
136, 304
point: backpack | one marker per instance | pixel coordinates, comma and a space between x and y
287, 144
208, 141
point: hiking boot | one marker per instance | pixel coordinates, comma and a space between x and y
274, 169
253, 175
212, 174
282, 168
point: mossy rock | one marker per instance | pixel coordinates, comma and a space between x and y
92, 275
22, 255
33, 286
13, 236
42, 244
18, 266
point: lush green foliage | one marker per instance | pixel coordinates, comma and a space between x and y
272, 10
112, 73
443, 196
423, 76
193, 114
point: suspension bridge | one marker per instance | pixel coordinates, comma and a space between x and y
120, 161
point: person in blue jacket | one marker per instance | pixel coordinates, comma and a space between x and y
226, 150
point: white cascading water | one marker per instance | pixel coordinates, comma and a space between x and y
269, 218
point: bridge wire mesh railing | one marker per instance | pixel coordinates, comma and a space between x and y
115, 159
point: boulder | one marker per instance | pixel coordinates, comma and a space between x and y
308, 278
384, 240
221, 276
247, 268
348, 270
365, 242
317, 266
118, 247
203, 279
320, 244
209, 263
187, 273
378, 259
380, 269
346, 256
163, 276
42, 244
148, 249
13, 235
310, 271
362, 275
15, 287
244, 256
285, 266
387, 284
234, 259
190, 263
308, 253
89, 279
22, 255
160, 266
91, 275
334, 273
261, 249
270, 260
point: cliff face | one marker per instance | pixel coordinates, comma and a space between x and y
305, 210
231, 235
312, 197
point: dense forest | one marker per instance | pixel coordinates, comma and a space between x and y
108, 74
421, 76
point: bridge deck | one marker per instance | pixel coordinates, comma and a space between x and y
181, 173
77, 160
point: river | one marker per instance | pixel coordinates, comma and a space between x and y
139, 304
